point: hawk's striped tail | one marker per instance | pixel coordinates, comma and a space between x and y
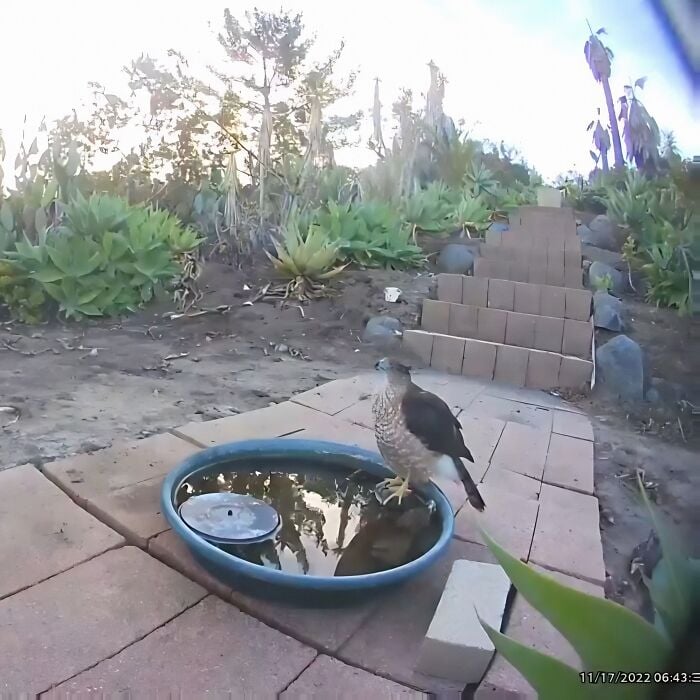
473, 494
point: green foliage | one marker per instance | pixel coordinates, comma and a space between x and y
604, 283
472, 215
606, 636
430, 210
308, 255
371, 234
480, 180
107, 259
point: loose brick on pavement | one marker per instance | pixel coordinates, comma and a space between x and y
43, 531
68, 623
233, 654
573, 518
389, 641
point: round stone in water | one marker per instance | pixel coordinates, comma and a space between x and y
229, 518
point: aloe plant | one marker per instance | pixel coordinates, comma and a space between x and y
608, 637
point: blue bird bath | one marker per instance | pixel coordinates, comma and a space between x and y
318, 457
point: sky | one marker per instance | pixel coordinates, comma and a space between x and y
516, 70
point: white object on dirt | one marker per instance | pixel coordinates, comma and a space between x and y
392, 294
456, 647
246, 288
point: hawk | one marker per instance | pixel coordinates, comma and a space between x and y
418, 436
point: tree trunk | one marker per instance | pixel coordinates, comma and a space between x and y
614, 130
604, 158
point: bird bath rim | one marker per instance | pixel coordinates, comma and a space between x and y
329, 455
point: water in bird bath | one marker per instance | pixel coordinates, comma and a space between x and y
331, 523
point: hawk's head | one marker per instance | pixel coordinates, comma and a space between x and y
393, 368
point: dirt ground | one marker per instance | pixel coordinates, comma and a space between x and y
78, 387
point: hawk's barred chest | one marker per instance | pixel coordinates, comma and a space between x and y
401, 449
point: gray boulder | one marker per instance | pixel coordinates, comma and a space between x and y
382, 331
599, 233
620, 368
455, 258
607, 312
598, 274
609, 257
499, 227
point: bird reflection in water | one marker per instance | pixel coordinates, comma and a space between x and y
331, 524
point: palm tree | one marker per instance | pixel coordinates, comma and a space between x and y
599, 59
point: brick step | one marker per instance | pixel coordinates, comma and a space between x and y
526, 238
524, 297
553, 275
497, 325
535, 369
557, 221
533, 255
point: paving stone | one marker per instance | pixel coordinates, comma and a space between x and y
332, 397
463, 320
567, 516
578, 304
520, 272
552, 301
511, 365
475, 291
492, 325
508, 517
577, 338
543, 369
549, 333
569, 463
479, 359
124, 464
572, 424
456, 646
238, 656
133, 510
501, 294
537, 274
456, 392
555, 274
359, 413
390, 639
329, 678
507, 409
522, 449
575, 373
527, 298
573, 277
420, 344
273, 421
520, 330
435, 316
449, 288
70, 622
555, 257
43, 531
481, 435
323, 628
518, 484
454, 492
527, 626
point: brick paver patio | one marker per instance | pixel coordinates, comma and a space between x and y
97, 592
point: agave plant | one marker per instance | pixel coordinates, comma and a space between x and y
480, 180
472, 216
608, 637
306, 260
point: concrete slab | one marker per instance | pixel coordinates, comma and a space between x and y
508, 480
457, 392
456, 646
522, 449
325, 629
481, 435
270, 422
359, 413
124, 464
43, 531
60, 627
329, 678
389, 641
505, 409
509, 518
211, 649
569, 463
567, 516
573, 425
527, 626
333, 397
